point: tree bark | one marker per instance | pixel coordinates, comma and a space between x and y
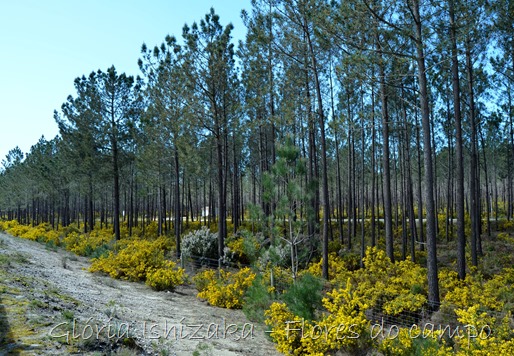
433, 282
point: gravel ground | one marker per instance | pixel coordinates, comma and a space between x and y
52, 305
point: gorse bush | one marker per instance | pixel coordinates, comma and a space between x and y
491, 336
240, 249
5, 225
344, 326
132, 262
226, 290
387, 288
94, 243
391, 287
141, 260
41, 233
493, 294
166, 277
338, 269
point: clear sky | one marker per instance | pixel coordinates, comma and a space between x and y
45, 45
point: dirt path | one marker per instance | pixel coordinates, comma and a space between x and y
51, 305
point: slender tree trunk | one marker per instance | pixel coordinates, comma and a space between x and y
178, 213
116, 173
409, 188
221, 196
362, 206
90, 202
486, 173
373, 174
349, 194
433, 282
321, 117
386, 167
459, 157
338, 163
474, 189
420, 195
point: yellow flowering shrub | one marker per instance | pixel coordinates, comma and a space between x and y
506, 237
235, 251
400, 344
42, 232
482, 334
151, 230
204, 278
284, 329
504, 225
236, 246
227, 290
166, 277
17, 229
337, 268
136, 260
394, 287
474, 289
7, 224
282, 278
344, 326
84, 244
408, 341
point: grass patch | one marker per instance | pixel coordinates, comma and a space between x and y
68, 315
49, 245
201, 348
38, 304
17, 257
55, 293
5, 261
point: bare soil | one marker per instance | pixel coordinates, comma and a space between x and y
51, 304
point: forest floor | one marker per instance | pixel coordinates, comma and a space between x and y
50, 304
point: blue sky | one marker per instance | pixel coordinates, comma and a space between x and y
45, 45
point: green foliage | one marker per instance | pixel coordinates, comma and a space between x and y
303, 298
257, 299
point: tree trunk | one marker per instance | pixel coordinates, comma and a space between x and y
388, 219
433, 282
474, 188
321, 117
459, 158
178, 214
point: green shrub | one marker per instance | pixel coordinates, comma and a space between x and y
257, 299
303, 298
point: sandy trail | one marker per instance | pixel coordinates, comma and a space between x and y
98, 314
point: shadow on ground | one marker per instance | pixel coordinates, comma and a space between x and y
7, 345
